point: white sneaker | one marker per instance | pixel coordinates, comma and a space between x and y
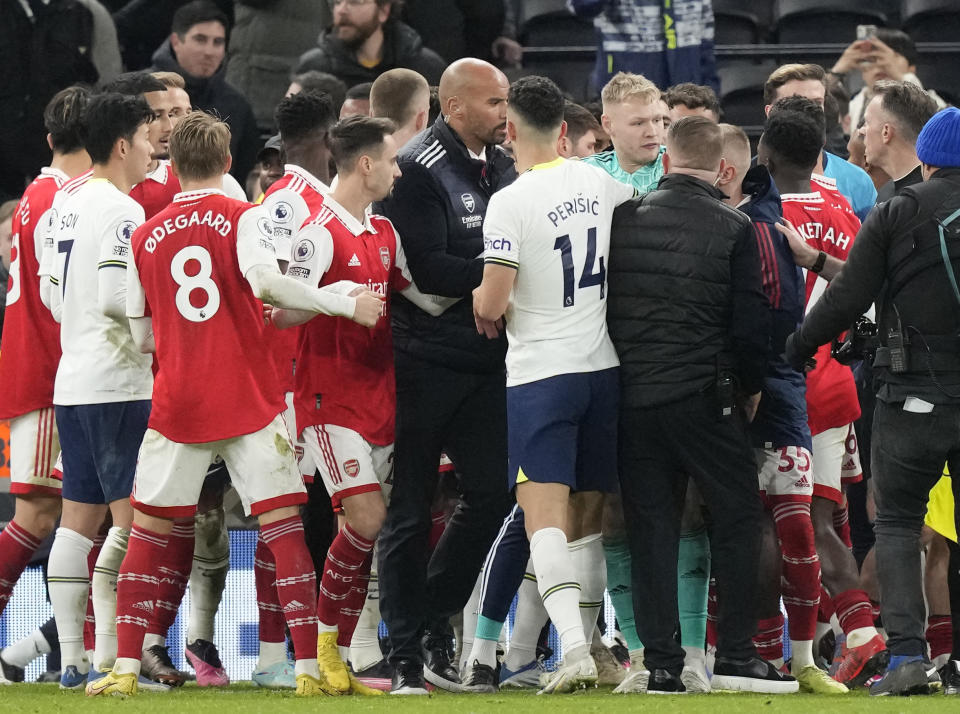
608, 668
635, 682
695, 680
569, 677
527, 677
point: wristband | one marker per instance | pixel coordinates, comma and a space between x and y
819, 262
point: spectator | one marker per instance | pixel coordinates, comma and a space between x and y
271, 165
403, 96
365, 41
258, 65
689, 99
105, 52
322, 82
196, 50
142, 27
6, 244
462, 28
357, 102
890, 54
583, 134
666, 43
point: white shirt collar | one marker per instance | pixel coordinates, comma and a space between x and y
348, 219
311, 180
185, 196
482, 156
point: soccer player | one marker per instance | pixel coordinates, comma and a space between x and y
103, 384
546, 239
31, 348
779, 431
826, 221
196, 273
345, 398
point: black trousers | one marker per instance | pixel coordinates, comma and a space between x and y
465, 415
659, 447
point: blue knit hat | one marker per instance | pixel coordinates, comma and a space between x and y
939, 141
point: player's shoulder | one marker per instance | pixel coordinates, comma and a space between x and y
382, 224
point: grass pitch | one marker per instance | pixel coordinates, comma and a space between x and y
242, 698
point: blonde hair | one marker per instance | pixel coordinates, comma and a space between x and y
624, 86
170, 80
200, 146
735, 144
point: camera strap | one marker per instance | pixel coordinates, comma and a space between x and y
941, 228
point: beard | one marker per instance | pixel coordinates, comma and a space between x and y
355, 34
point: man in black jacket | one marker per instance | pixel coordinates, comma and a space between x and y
451, 387
196, 50
905, 258
691, 325
365, 41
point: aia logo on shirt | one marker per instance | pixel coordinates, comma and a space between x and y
468, 202
352, 467
385, 257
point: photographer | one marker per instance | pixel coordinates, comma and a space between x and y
904, 258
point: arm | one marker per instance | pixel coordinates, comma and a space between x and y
46, 261
750, 317
402, 282
112, 292
112, 263
417, 209
141, 329
805, 255
491, 298
54, 296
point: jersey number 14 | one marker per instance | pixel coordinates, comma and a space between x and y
588, 278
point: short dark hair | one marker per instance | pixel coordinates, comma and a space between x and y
323, 82
350, 138
803, 106
64, 119
698, 140
139, 82
908, 104
795, 136
111, 116
692, 96
538, 101
900, 42
790, 73
195, 13
360, 91
579, 121
304, 115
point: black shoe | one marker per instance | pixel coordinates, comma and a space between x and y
751, 675
663, 681
49, 677
155, 664
9, 672
437, 666
379, 670
408, 678
621, 652
482, 679
950, 677
906, 679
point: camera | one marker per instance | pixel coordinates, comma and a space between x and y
861, 342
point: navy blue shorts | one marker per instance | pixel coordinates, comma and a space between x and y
563, 429
100, 444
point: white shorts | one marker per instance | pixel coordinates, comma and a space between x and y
308, 467
34, 451
262, 465
834, 450
785, 472
348, 463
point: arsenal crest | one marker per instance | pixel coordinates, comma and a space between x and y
385, 256
352, 467
468, 202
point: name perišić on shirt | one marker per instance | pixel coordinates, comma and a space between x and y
567, 209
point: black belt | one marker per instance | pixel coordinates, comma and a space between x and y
921, 360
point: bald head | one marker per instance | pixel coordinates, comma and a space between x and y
473, 98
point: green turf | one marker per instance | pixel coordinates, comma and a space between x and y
243, 699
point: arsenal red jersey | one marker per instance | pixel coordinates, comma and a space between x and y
31, 337
344, 370
187, 275
157, 190
827, 222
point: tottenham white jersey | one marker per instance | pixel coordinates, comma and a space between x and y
553, 226
100, 361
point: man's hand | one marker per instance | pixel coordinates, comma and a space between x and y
856, 52
804, 254
368, 308
798, 354
490, 328
509, 52
750, 404
885, 59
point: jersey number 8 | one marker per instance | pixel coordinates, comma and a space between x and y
201, 280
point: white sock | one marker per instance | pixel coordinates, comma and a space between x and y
558, 586
801, 654
530, 617
695, 657
126, 665
23, 652
470, 614
211, 560
271, 653
861, 636
307, 666
482, 651
153, 640
597, 640
69, 584
590, 565
105, 574
365, 646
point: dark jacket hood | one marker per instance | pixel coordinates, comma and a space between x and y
764, 203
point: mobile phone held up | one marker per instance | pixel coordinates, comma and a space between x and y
866, 32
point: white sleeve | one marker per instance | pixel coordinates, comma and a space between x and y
287, 211
136, 298
501, 234
232, 188
312, 255
255, 240
617, 191
114, 255
434, 305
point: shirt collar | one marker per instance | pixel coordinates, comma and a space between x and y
161, 173
311, 180
347, 219
185, 196
54, 173
547, 164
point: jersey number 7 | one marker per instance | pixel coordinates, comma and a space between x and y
587, 278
